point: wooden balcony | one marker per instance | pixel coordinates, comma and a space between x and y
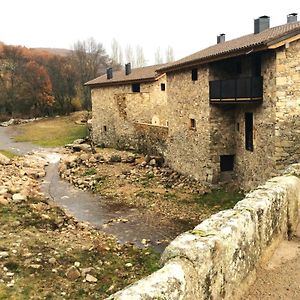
238, 90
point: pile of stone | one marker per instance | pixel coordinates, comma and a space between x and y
79, 145
72, 168
18, 121
18, 177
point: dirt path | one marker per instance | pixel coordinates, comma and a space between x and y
280, 277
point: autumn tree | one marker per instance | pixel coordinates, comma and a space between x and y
63, 78
90, 60
36, 89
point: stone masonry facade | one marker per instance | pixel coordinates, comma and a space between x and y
117, 113
247, 140
220, 128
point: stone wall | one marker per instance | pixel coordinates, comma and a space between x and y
218, 259
116, 109
253, 168
188, 148
222, 135
287, 129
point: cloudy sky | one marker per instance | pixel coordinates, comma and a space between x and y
186, 25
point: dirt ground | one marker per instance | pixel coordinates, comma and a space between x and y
280, 277
166, 199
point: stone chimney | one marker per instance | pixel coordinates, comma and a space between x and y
261, 24
109, 73
127, 68
221, 38
292, 18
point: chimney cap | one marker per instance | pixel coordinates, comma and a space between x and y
127, 68
262, 23
292, 17
221, 38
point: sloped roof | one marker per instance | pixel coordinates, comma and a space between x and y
241, 45
144, 74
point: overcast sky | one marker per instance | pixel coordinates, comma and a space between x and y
186, 25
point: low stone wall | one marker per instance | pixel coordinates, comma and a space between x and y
218, 259
150, 139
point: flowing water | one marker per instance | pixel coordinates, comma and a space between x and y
126, 224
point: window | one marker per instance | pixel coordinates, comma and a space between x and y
249, 131
136, 87
192, 124
226, 162
194, 74
104, 128
162, 86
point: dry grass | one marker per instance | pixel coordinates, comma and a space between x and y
52, 132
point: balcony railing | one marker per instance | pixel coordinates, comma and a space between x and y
248, 89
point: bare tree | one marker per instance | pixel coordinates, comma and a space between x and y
116, 52
169, 54
157, 57
140, 57
90, 59
129, 55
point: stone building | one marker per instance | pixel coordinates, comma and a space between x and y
130, 109
236, 106
228, 111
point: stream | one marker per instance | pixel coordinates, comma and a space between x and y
128, 225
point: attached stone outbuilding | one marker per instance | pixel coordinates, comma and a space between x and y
236, 106
130, 109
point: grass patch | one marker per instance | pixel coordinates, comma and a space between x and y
89, 172
52, 132
8, 154
218, 199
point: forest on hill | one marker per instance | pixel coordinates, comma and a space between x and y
37, 82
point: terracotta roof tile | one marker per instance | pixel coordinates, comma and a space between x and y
235, 46
137, 75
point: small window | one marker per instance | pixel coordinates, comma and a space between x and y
226, 163
194, 74
136, 87
104, 128
192, 124
162, 86
249, 131
238, 127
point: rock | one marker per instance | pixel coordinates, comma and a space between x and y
152, 162
82, 147
128, 265
77, 264
35, 266
52, 260
85, 271
18, 197
91, 279
72, 273
4, 254
3, 201
4, 160
115, 158
130, 159
79, 141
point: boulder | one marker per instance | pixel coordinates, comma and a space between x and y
4, 160
18, 197
72, 273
